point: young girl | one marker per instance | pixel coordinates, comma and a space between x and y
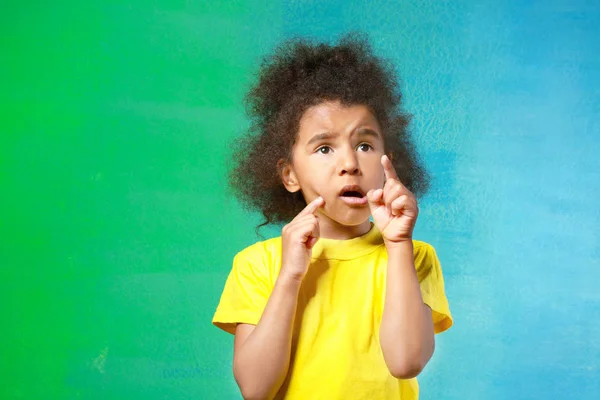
337, 307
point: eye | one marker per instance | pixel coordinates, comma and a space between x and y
364, 147
324, 149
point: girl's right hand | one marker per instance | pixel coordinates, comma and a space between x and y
298, 238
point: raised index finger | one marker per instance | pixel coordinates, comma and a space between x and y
312, 206
388, 169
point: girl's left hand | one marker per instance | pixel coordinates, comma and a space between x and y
394, 208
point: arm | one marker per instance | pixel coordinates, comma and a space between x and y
406, 332
262, 352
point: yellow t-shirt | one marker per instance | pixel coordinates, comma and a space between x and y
336, 352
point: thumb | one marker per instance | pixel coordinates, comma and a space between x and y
375, 199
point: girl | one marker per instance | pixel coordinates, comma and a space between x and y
337, 307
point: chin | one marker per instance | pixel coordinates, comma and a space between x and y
352, 218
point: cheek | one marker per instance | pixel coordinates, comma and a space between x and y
378, 173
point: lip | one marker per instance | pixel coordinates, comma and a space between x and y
352, 188
353, 201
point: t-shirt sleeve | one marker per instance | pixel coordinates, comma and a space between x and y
245, 294
429, 271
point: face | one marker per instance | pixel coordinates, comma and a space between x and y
337, 155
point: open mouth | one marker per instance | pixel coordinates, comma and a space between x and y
353, 195
352, 191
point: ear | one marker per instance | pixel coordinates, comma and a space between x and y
288, 176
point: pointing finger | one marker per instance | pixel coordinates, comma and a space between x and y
388, 168
312, 207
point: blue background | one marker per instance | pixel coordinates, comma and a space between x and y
118, 232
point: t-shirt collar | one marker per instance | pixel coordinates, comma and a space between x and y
327, 249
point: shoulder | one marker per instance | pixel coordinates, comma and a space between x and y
266, 252
422, 247
425, 256
261, 248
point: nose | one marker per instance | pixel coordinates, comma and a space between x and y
348, 163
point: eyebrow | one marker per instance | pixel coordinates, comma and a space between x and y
368, 132
360, 132
321, 136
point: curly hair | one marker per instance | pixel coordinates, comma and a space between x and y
300, 74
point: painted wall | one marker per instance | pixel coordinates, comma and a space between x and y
117, 232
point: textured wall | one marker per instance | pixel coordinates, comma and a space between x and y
117, 232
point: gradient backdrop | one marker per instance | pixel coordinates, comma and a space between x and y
117, 232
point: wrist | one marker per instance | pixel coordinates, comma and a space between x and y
289, 282
399, 246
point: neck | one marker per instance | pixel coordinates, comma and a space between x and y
330, 229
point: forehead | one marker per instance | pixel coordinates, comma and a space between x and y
335, 117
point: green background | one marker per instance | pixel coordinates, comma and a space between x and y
117, 230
